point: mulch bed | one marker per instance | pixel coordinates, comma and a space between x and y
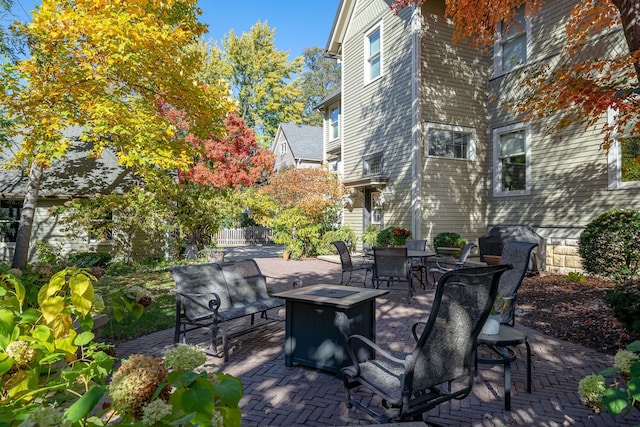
571, 311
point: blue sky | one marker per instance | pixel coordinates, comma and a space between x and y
298, 24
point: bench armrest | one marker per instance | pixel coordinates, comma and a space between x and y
212, 299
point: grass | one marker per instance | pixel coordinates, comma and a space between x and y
158, 316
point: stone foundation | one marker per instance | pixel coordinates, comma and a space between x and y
562, 256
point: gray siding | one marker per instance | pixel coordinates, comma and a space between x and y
569, 171
453, 92
377, 116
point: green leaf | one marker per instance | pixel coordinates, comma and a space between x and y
634, 388
51, 308
228, 390
7, 322
634, 346
615, 400
84, 338
137, 310
85, 404
5, 363
609, 371
41, 333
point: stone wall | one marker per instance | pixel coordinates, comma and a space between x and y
562, 256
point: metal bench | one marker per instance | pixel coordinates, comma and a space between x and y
210, 294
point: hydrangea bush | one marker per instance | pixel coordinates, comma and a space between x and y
622, 394
52, 374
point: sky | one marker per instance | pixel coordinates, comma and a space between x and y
298, 24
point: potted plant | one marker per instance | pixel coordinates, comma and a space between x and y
448, 243
393, 236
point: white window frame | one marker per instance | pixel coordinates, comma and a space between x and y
497, 164
614, 161
334, 125
368, 56
499, 46
377, 209
471, 148
283, 147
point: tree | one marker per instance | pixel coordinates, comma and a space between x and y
320, 79
261, 80
108, 67
584, 83
299, 205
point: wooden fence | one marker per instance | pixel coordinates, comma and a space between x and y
244, 236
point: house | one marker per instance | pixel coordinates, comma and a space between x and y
297, 145
74, 177
425, 143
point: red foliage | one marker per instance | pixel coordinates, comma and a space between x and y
231, 160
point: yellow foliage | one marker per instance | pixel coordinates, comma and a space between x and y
107, 66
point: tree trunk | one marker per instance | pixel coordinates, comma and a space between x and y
629, 13
23, 237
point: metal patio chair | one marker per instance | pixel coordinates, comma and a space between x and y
347, 264
441, 366
392, 266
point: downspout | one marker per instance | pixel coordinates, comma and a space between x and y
416, 133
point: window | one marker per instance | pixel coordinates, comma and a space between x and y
452, 142
334, 124
373, 54
372, 165
511, 44
624, 169
10, 212
511, 161
283, 147
376, 209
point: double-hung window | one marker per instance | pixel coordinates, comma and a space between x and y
283, 147
334, 123
624, 168
373, 54
453, 142
511, 44
10, 212
511, 161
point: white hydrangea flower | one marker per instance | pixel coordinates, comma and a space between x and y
624, 359
155, 411
184, 357
45, 416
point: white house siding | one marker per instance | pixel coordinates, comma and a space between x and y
47, 228
453, 92
376, 117
568, 173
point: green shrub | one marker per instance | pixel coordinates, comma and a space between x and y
90, 259
610, 244
346, 234
370, 236
448, 240
624, 301
575, 277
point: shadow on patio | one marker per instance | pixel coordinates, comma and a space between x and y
279, 396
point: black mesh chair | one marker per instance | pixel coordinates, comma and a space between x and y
392, 266
347, 264
441, 267
441, 366
418, 265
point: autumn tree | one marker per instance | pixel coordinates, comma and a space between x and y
319, 79
107, 67
583, 83
298, 205
263, 80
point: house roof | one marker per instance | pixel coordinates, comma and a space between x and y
329, 99
305, 141
74, 176
339, 28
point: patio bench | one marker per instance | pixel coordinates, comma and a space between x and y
208, 295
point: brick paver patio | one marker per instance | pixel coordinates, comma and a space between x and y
279, 396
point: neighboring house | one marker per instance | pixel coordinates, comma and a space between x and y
75, 176
425, 143
297, 145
